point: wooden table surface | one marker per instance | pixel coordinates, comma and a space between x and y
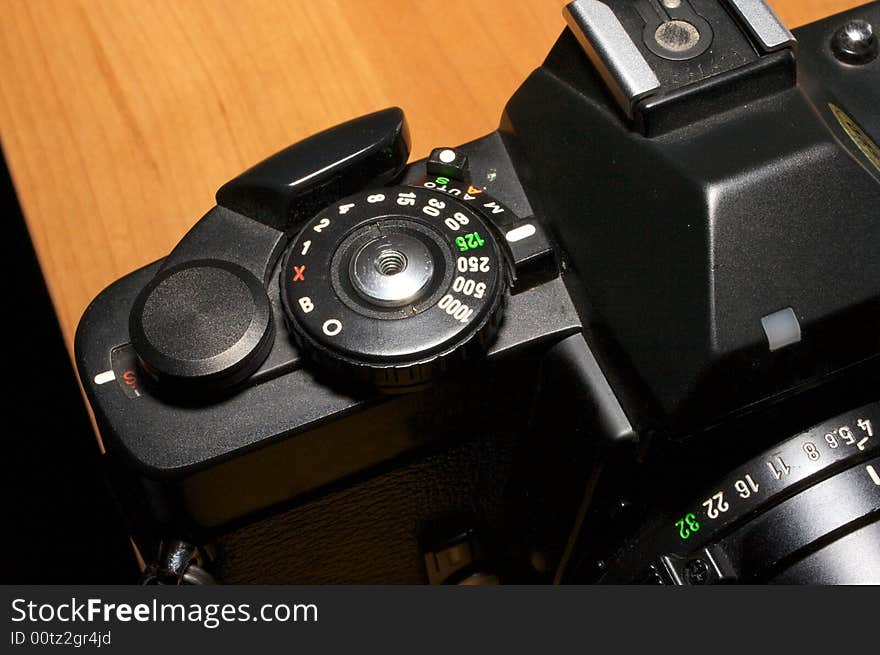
120, 118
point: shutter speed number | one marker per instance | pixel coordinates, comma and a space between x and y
433, 209
331, 326
452, 305
473, 265
448, 303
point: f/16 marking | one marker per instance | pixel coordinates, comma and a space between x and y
746, 486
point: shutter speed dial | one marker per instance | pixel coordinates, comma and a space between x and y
394, 285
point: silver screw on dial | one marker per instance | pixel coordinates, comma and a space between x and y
392, 270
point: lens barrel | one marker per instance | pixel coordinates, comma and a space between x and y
804, 512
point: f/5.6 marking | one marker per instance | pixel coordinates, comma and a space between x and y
845, 435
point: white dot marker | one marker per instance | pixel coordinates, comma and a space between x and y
105, 377
447, 156
520, 233
782, 328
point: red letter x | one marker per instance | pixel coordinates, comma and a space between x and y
298, 272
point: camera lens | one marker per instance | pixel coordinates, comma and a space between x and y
806, 511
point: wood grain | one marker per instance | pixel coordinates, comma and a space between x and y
119, 119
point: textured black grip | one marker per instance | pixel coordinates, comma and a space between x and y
368, 533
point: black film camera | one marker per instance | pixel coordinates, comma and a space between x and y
631, 336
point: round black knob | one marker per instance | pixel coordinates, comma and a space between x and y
394, 285
205, 322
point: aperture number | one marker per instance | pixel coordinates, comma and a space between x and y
687, 525
716, 505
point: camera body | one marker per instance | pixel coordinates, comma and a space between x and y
520, 358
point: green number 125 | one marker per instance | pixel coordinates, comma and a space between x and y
469, 241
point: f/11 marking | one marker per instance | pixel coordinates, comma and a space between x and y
783, 468
873, 473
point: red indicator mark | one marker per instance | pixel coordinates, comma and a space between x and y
131, 381
299, 273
